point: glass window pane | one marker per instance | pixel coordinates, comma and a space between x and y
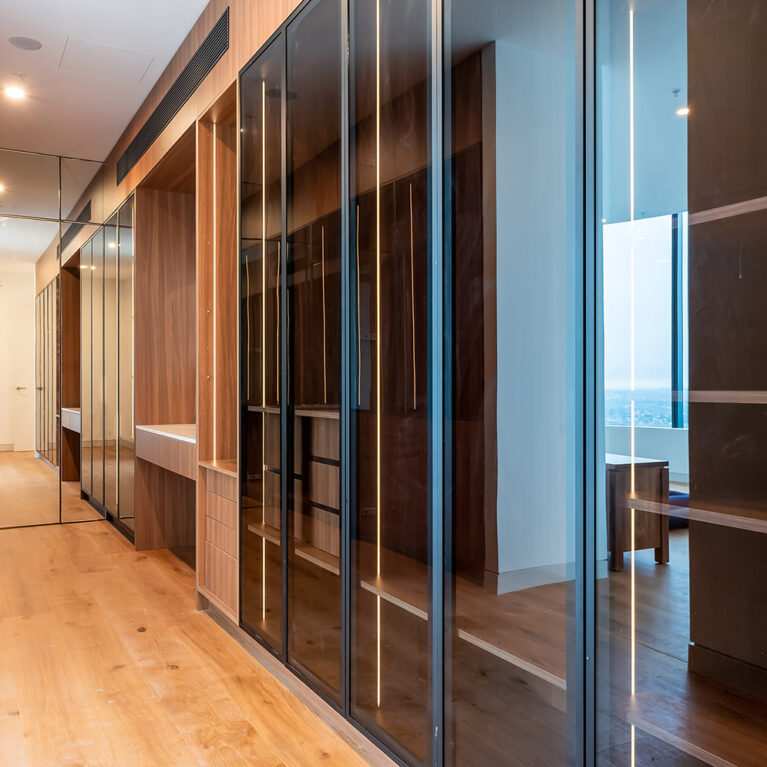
681, 523
262, 262
314, 304
389, 252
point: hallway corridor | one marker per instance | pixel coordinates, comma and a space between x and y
106, 662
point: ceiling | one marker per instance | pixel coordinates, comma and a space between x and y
97, 64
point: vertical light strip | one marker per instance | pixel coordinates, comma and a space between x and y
379, 393
412, 296
359, 322
263, 345
633, 375
215, 275
324, 346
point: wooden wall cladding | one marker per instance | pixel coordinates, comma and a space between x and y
70, 335
217, 257
165, 338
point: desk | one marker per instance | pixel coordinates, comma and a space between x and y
650, 530
165, 475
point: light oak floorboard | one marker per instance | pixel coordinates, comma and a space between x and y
106, 662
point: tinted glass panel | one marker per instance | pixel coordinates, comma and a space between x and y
314, 304
262, 264
389, 252
681, 523
511, 154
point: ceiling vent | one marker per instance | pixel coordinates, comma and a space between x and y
205, 58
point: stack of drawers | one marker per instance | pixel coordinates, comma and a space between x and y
219, 576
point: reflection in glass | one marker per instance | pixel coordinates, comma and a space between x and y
30, 185
511, 157
261, 268
126, 436
681, 524
314, 304
86, 368
389, 168
111, 425
81, 191
97, 366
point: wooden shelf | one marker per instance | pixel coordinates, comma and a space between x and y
319, 557
226, 466
269, 533
70, 418
489, 621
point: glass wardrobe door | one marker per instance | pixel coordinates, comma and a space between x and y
389, 166
511, 356
110, 366
261, 264
97, 372
314, 342
86, 365
126, 438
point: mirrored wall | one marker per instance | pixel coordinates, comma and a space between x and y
410, 356
49, 206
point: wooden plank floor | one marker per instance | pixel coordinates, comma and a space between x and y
29, 493
104, 661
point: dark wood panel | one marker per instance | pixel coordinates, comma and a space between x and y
165, 508
70, 335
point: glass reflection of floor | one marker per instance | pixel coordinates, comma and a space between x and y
29, 493
680, 718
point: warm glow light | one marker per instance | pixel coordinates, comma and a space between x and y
112, 244
379, 343
2, 188
683, 111
14, 92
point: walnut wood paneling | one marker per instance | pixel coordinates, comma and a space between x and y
165, 508
70, 335
165, 344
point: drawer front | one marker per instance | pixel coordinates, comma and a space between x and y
221, 575
221, 509
221, 484
221, 536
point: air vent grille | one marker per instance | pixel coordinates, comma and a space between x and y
203, 61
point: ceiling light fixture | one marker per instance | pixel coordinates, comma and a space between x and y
14, 92
2, 188
683, 111
25, 43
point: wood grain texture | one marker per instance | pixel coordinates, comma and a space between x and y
70, 336
164, 507
165, 343
175, 455
113, 657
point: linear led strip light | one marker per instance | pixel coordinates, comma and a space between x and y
379, 387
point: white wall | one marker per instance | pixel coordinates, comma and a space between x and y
17, 356
535, 190
653, 442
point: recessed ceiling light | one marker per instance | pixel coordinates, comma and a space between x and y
683, 111
25, 43
2, 188
14, 92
